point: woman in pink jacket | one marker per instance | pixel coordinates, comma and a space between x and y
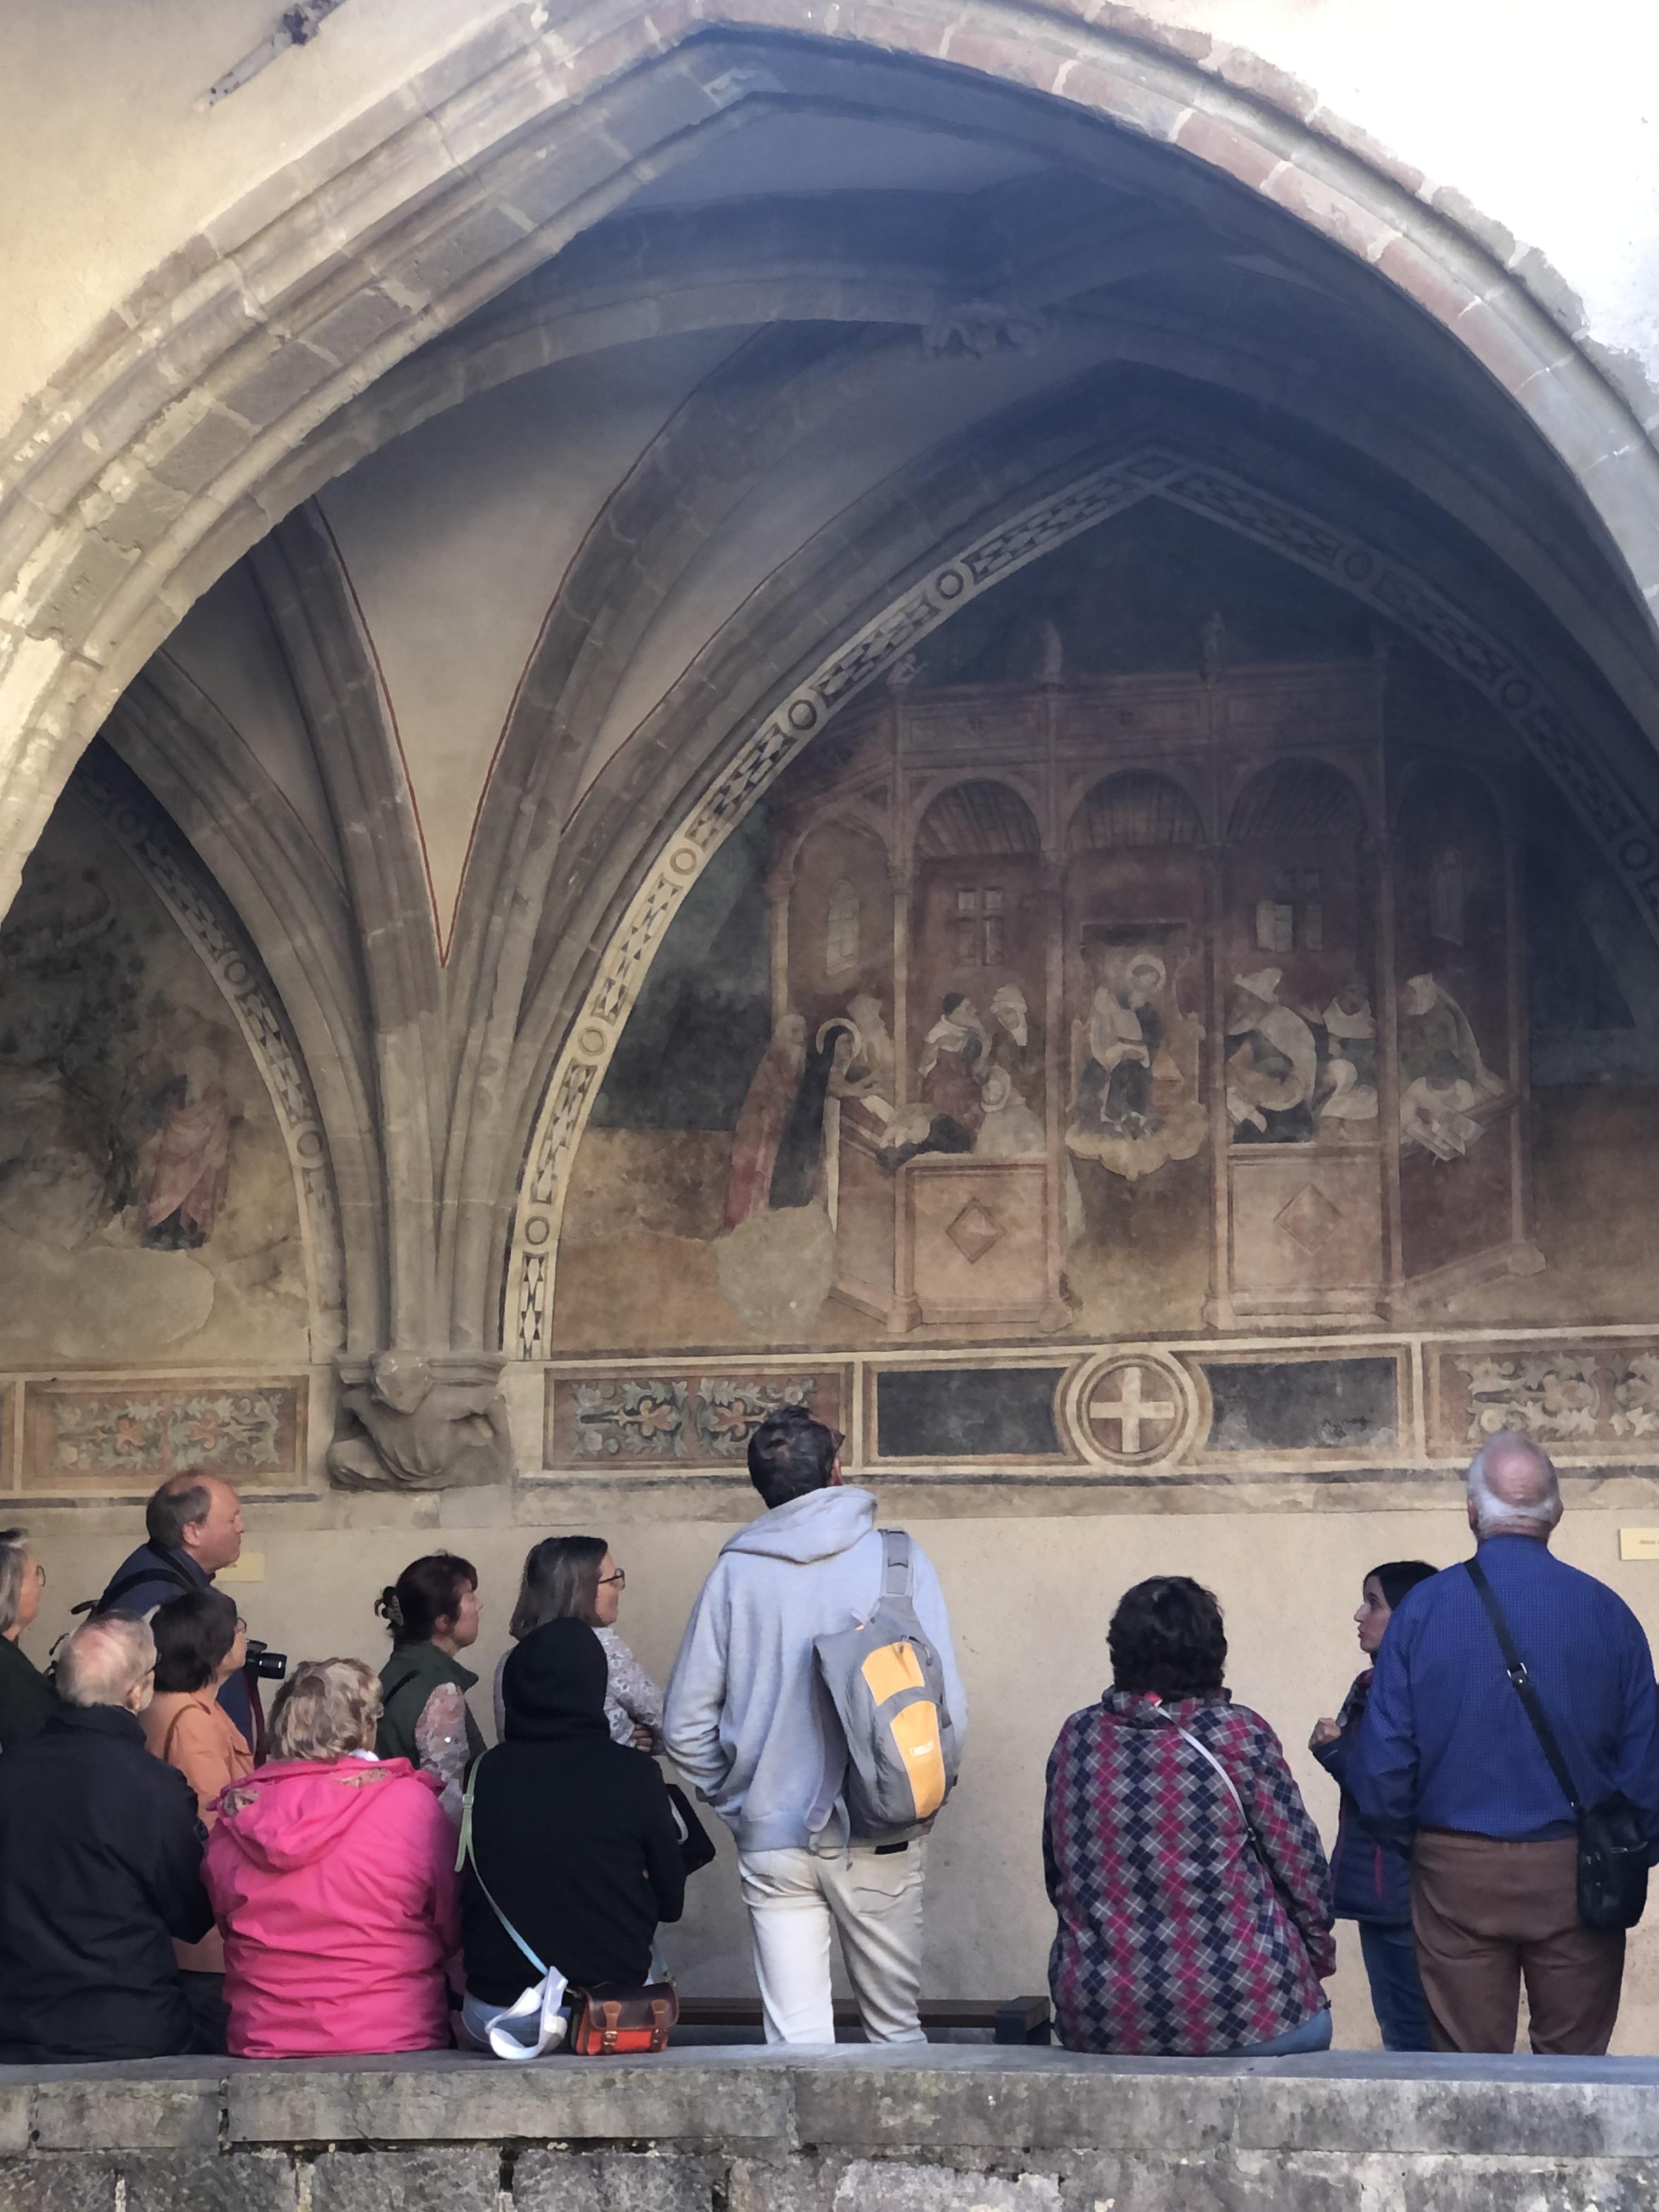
332, 1882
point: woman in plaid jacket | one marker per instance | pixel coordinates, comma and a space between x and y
1192, 1895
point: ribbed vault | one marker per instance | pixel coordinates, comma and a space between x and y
1173, 287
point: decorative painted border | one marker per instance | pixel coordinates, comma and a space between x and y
1612, 1373
93, 1437
1630, 841
210, 923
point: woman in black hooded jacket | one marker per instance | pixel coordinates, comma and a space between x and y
574, 1833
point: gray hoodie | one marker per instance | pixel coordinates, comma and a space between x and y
741, 1719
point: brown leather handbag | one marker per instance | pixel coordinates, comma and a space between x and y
618, 2016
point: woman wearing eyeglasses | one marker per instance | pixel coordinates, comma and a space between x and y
27, 1698
576, 1578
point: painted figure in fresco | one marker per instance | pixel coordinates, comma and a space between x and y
1125, 1033
405, 1430
762, 1118
872, 1059
863, 1068
1347, 1081
1442, 1077
1272, 1064
190, 1171
1017, 1046
951, 1064
1137, 1062
1010, 1131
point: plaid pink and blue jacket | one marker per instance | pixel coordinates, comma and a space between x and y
1175, 1938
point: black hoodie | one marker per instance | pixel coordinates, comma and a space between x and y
574, 1833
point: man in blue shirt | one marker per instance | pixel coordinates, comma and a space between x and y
1447, 1765
193, 1527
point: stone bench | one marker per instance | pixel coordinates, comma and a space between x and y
920, 2129
1006, 2020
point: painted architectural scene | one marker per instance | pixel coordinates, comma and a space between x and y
1170, 946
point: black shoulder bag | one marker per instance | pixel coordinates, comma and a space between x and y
1613, 1837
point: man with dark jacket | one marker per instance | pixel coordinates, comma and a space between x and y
1448, 1766
100, 1868
193, 1528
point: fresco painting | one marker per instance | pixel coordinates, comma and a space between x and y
146, 1204
1063, 996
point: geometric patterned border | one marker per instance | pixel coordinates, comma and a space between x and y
194, 902
1609, 811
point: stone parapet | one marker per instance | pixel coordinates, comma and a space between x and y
959, 2129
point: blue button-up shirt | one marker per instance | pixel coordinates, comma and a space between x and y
1446, 1743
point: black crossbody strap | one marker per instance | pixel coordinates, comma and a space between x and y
1516, 1667
165, 1570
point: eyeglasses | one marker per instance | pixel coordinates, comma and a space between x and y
619, 1578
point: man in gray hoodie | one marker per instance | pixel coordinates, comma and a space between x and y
742, 1723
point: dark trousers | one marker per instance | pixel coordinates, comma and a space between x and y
1486, 1915
1390, 1955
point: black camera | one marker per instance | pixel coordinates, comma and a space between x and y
264, 1664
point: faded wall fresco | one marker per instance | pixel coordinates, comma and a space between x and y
1071, 992
148, 1213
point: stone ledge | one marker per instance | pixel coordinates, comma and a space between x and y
753, 2103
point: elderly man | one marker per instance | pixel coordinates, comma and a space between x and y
100, 1868
193, 1528
1446, 1763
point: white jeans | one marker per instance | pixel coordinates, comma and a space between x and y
875, 1900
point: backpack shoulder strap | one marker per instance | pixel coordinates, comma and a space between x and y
163, 1571
466, 1852
898, 1564
1516, 1668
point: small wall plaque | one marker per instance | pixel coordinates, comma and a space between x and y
1639, 1543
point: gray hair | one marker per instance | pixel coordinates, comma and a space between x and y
1497, 1516
104, 1660
13, 1564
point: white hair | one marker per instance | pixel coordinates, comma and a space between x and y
1497, 1516
103, 1660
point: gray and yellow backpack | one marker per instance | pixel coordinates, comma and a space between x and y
880, 1687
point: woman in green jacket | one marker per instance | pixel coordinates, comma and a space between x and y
432, 1610
27, 1698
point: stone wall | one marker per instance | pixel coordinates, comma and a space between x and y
963, 2131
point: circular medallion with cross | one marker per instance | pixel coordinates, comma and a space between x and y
1132, 1409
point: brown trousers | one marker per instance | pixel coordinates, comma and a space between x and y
1486, 1914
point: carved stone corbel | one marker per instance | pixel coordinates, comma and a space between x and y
409, 1421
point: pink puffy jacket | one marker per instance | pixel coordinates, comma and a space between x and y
333, 1884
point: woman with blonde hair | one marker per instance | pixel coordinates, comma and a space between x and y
27, 1698
332, 1879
